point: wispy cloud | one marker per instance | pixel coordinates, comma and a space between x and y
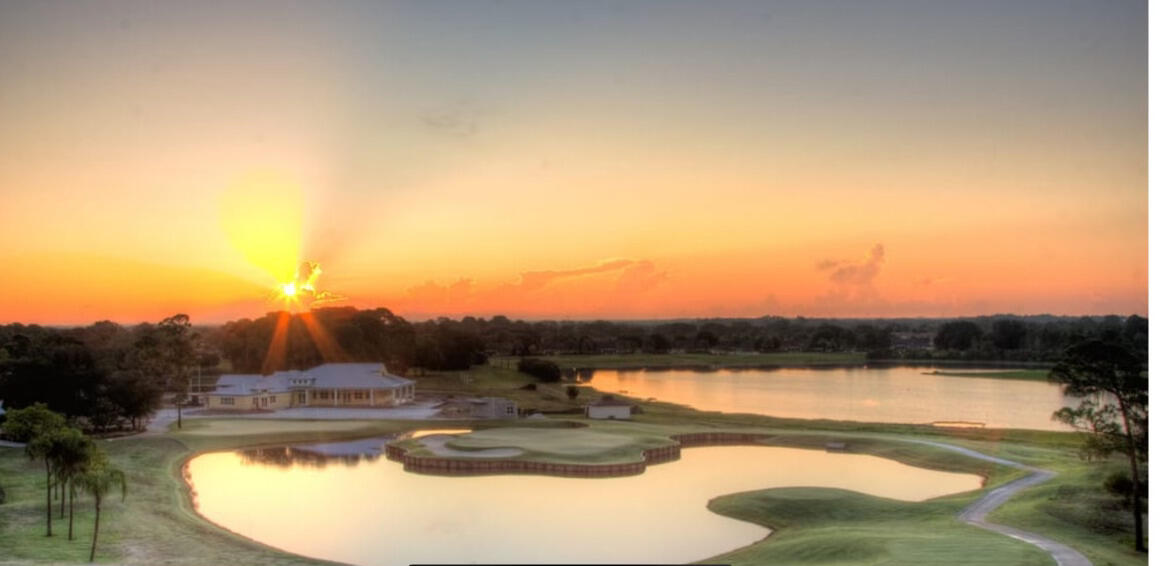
459, 119
609, 282
853, 281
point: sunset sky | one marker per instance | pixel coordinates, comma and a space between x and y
574, 159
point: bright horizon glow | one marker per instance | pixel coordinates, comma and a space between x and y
574, 160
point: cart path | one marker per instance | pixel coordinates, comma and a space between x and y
976, 513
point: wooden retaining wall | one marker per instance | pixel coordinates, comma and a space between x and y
470, 467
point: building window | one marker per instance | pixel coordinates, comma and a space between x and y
511, 410
227, 400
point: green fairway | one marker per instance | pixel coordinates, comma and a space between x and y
838, 527
1023, 374
697, 361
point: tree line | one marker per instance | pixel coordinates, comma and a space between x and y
104, 376
110, 376
448, 344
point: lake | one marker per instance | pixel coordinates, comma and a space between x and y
898, 394
366, 510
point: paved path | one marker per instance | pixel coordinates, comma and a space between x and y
10, 444
976, 513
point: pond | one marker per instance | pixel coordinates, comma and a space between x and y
368, 511
898, 394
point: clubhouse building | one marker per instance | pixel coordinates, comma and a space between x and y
327, 385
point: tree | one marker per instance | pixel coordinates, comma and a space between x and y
36, 425
98, 480
1114, 408
1008, 334
177, 357
832, 338
658, 344
705, 340
958, 335
71, 452
544, 370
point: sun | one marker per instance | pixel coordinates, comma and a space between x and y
289, 290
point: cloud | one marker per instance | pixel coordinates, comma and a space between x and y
611, 283
460, 119
532, 280
639, 277
853, 282
436, 296
857, 274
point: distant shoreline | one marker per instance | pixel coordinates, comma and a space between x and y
778, 361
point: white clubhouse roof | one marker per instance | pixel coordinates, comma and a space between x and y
326, 376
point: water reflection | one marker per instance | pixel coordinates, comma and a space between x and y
287, 456
373, 513
870, 394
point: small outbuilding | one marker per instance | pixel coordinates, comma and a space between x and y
493, 408
609, 407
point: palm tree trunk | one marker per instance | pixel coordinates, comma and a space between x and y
72, 501
62, 497
1137, 507
48, 496
96, 529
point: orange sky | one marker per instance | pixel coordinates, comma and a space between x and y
797, 160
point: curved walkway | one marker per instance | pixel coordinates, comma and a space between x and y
976, 513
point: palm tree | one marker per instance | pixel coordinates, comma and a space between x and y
98, 480
38, 449
71, 454
34, 424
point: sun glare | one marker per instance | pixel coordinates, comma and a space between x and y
289, 290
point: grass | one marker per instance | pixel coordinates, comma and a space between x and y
496, 381
156, 524
838, 527
1076, 509
696, 361
1022, 374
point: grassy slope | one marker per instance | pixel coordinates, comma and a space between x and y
153, 525
1022, 374
1076, 509
838, 527
622, 361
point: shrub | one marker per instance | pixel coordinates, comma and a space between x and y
544, 370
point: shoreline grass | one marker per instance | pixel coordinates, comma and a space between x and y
1017, 374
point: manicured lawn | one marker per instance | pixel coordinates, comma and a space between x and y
1023, 374
838, 527
1076, 509
731, 360
154, 525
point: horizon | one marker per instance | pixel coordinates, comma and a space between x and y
574, 161
202, 323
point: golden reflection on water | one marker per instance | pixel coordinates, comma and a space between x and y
433, 432
888, 395
374, 513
